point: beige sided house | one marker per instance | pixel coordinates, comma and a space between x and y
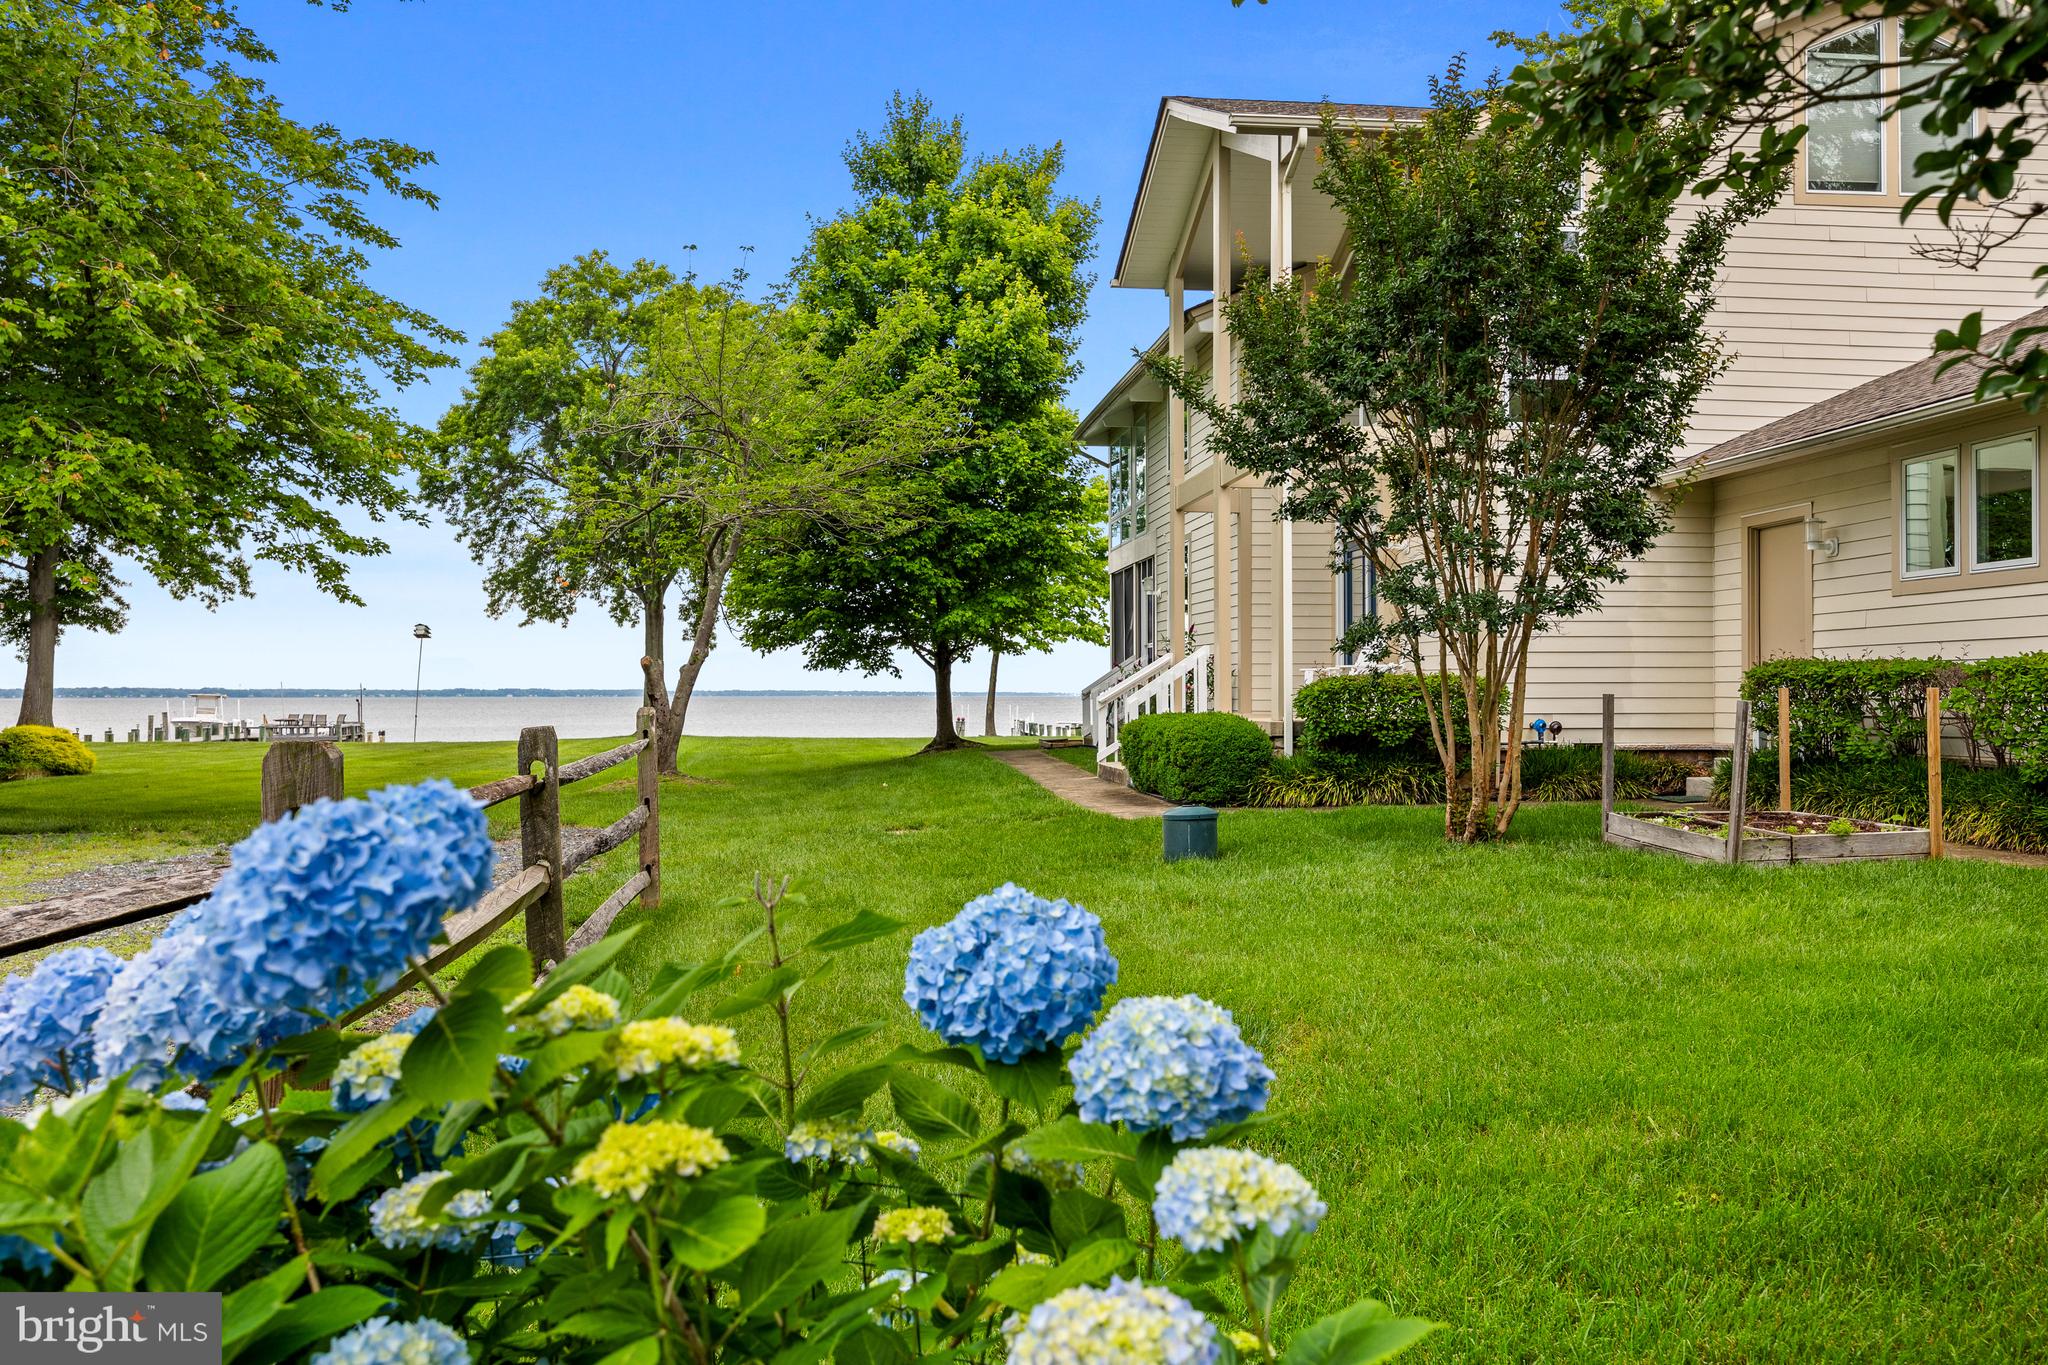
1833, 497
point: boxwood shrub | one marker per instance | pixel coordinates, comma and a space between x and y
1847, 708
1207, 758
2003, 706
1367, 713
41, 751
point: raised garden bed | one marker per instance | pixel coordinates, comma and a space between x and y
1768, 837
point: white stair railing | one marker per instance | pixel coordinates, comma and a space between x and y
1162, 685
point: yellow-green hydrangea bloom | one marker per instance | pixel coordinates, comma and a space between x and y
902, 1144
367, 1075
1247, 1344
630, 1156
913, 1225
1128, 1323
577, 1007
646, 1045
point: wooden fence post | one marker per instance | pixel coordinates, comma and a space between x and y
297, 772
1738, 782
540, 841
648, 774
1936, 841
1785, 748
1606, 761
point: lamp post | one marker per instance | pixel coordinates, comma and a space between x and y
423, 634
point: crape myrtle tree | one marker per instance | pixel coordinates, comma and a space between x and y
755, 437
527, 456
191, 364
1717, 95
1485, 402
974, 266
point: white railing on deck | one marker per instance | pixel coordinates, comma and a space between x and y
1309, 675
1162, 685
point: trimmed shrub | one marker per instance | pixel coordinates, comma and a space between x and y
42, 751
1994, 807
1847, 708
1207, 758
1367, 713
2002, 704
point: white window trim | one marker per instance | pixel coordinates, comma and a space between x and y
1887, 141
2033, 505
1963, 547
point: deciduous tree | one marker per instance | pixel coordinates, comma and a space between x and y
192, 366
1524, 366
974, 266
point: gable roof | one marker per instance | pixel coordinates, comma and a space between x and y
1920, 387
1176, 164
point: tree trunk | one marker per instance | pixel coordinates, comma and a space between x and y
718, 562
945, 735
38, 688
988, 719
653, 666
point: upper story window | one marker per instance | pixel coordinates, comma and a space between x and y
1127, 483
1851, 147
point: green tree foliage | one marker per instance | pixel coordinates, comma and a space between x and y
1525, 364
976, 267
527, 461
190, 359
755, 437
1731, 76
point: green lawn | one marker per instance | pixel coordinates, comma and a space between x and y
1576, 1103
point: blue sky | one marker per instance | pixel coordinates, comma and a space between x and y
645, 127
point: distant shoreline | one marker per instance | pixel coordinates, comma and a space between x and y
131, 693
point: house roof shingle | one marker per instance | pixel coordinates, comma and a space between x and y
1903, 391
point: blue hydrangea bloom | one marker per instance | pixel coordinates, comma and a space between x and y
20, 1255
1011, 974
388, 1341
315, 915
319, 912
47, 1016
168, 997
1163, 1062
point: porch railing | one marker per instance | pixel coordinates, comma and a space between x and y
1162, 685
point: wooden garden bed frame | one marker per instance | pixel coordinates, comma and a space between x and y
1739, 842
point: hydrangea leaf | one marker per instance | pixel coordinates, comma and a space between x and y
1079, 1217
246, 1310
216, 1222
1033, 1079
1073, 1139
793, 1256
718, 1235
1022, 1286
314, 1318
455, 1057
578, 969
358, 1139
865, 927
933, 1111
844, 1092
774, 984
1359, 1335
111, 1199
505, 970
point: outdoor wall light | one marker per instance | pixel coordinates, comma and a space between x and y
1818, 541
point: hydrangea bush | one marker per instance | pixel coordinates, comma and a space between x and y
565, 1170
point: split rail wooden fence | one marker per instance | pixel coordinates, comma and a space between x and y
299, 772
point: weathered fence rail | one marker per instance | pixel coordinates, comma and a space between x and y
299, 772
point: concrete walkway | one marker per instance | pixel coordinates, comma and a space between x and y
1080, 786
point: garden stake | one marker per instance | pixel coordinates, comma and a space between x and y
1784, 748
1935, 839
1738, 782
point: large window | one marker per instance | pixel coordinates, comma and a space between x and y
2003, 476
1127, 483
1844, 137
1357, 593
1929, 503
1851, 147
1970, 511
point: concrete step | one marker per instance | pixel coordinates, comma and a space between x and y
1699, 788
1113, 773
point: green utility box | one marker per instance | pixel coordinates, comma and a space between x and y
1190, 833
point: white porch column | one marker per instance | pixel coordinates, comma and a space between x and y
1176, 470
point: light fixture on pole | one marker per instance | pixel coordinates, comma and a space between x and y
1818, 541
422, 633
